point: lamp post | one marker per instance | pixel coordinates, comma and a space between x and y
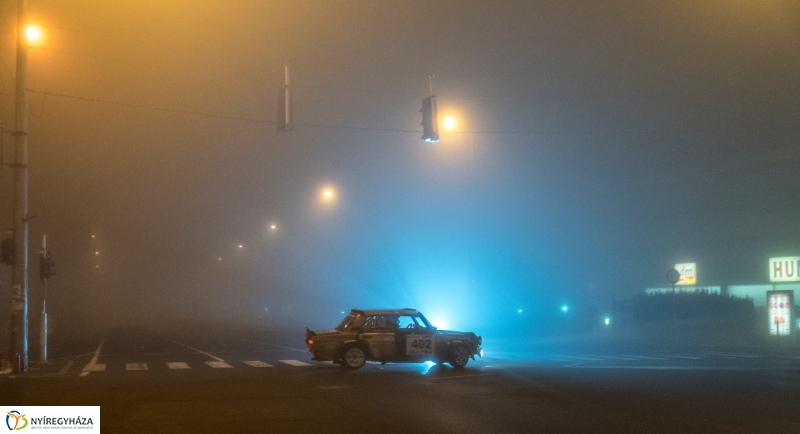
19, 276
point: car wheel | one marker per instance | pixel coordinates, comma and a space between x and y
459, 356
353, 357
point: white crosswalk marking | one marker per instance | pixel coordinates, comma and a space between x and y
178, 365
257, 364
96, 367
218, 364
295, 363
136, 366
93, 366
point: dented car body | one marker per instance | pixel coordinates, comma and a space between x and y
391, 335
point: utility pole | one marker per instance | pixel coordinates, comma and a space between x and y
43, 326
19, 278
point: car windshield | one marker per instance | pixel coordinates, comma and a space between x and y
347, 323
426, 322
414, 321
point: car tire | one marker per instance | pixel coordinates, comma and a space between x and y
353, 357
459, 356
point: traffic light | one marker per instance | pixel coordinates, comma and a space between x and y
284, 121
430, 122
7, 251
46, 266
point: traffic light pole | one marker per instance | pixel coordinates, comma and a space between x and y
19, 277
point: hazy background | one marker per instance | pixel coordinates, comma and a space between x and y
599, 143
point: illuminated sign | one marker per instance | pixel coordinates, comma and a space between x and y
784, 269
688, 274
780, 305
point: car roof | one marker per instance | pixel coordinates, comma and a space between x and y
368, 312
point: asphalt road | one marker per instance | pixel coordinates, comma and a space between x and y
224, 381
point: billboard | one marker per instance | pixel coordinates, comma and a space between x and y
688, 274
784, 269
779, 305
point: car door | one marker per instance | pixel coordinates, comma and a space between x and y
415, 339
379, 335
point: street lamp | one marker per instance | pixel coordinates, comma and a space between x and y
33, 35
449, 123
327, 195
19, 275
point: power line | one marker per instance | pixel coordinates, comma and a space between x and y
393, 130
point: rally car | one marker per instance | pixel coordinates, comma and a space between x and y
391, 335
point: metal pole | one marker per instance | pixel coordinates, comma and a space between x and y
19, 278
287, 98
43, 326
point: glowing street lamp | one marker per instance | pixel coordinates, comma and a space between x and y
327, 195
33, 35
449, 123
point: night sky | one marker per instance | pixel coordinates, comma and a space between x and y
597, 144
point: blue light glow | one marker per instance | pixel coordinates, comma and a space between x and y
564, 308
427, 366
438, 322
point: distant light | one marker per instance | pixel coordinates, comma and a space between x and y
519, 310
564, 308
96, 253
327, 195
96, 266
439, 323
241, 246
92, 235
342, 312
273, 226
607, 321
219, 259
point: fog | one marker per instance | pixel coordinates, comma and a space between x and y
597, 144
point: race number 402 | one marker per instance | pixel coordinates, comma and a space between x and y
420, 345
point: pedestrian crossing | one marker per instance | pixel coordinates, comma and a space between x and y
215, 364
